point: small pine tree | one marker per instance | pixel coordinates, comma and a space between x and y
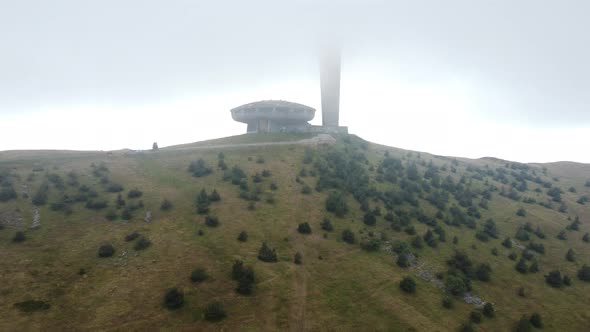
521, 266
369, 219
447, 302
475, 317
304, 228
142, 244
584, 273
237, 269
243, 236
166, 205
132, 236
155, 146
586, 238
214, 312
562, 235
536, 320
326, 225
214, 197
202, 202
403, 261
173, 299
348, 236
19, 237
523, 325
199, 275
408, 285
266, 254
534, 268
417, 242
246, 281
488, 310
297, 259
507, 243
570, 256
483, 272
211, 221
106, 250
554, 279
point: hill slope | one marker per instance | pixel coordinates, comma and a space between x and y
385, 196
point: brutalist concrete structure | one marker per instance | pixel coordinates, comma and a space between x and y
269, 116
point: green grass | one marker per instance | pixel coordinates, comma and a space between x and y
347, 289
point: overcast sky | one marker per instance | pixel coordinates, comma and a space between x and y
509, 79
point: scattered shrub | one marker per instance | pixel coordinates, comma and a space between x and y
244, 275
447, 302
243, 236
211, 221
554, 279
403, 261
297, 259
483, 271
106, 250
523, 325
32, 306
348, 236
475, 317
131, 237
570, 256
584, 273
306, 189
456, 285
126, 214
372, 244
488, 310
19, 237
173, 298
214, 312
134, 193
304, 228
166, 205
199, 275
96, 204
536, 320
142, 244
369, 219
408, 285
111, 215
266, 254
202, 202
326, 225
214, 197
336, 203
198, 168
114, 187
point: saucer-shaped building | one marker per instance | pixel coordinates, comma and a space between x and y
274, 116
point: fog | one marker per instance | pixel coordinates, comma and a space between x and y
487, 78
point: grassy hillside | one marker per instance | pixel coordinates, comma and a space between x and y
385, 196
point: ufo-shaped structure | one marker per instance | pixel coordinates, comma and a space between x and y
274, 116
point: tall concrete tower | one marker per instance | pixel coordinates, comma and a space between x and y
330, 86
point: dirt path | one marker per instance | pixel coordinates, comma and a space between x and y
319, 139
